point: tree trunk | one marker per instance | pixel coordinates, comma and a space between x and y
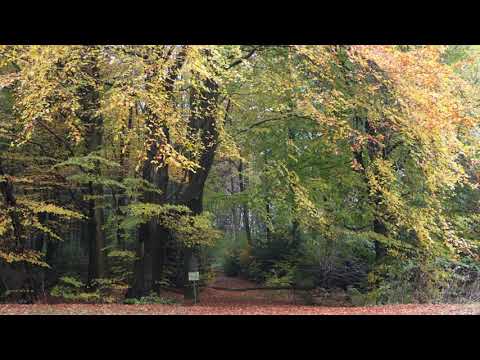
380, 250
122, 200
203, 120
152, 235
138, 290
7, 190
159, 255
245, 212
96, 263
23, 274
295, 230
52, 275
89, 99
235, 222
374, 151
188, 252
268, 234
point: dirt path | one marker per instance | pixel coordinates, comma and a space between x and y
210, 296
221, 302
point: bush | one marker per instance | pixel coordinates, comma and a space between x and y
312, 262
272, 260
72, 289
109, 290
150, 299
231, 264
121, 265
341, 261
253, 271
19, 296
463, 285
282, 275
411, 280
304, 280
356, 297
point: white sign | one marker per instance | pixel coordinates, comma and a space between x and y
194, 276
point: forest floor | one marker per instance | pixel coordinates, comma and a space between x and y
223, 302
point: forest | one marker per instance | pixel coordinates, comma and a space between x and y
333, 175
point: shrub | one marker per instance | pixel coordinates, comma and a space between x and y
340, 261
282, 275
408, 280
150, 299
109, 289
303, 280
253, 271
231, 264
72, 289
463, 285
275, 280
356, 297
121, 265
19, 296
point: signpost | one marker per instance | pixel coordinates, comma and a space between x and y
194, 275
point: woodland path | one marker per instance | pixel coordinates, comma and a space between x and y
222, 302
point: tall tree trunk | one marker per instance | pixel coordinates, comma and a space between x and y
268, 234
122, 200
152, 235
245, 212
138, 288
23, 272
380, 251
235, 221
203, 120
7, 190
89, 99
96, 263
378, 224
50, 256
295, 222
295, 230
188, 252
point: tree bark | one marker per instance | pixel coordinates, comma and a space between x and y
245, 212
7, 190
380, 251
89, 99
268, 233
23, 273
122, 200
203, 119
378, 225
152, 235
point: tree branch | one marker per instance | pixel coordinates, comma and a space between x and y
243, 58
268, 120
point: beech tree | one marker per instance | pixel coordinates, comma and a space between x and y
146, 151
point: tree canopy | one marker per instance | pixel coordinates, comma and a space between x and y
160, 154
